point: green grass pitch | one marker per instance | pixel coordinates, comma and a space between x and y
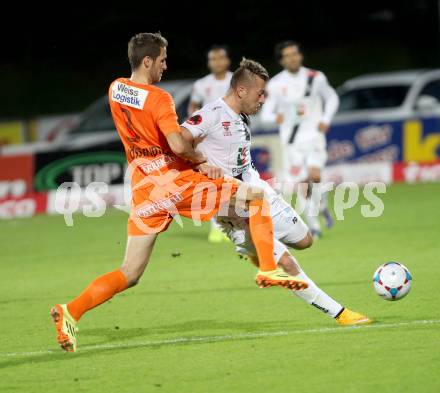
198, 323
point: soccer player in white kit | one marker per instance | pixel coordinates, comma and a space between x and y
221, 132
302, 103
206, 90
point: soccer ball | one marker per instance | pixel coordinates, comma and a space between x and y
392, 281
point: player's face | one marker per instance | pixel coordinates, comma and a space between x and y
291, 58
218, 61
159, 66
254, 96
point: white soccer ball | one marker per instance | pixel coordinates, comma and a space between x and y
392, 281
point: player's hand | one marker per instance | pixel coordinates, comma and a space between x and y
211, 171
198, 158
280, 118
323, 127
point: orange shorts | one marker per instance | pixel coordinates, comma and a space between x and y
188, 193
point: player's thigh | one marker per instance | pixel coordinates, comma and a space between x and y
294, 163
316, 160
137, 255
245, 194
314, 174
202, 197
291, 230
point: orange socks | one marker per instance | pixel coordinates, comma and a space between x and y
261, 228
100, 290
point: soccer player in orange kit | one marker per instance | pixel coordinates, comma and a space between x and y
168, 177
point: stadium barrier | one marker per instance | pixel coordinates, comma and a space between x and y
19, 199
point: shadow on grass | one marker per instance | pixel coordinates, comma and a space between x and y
108, 336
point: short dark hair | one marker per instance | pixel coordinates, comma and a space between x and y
145, 44
219, 47
278, 50
247, 70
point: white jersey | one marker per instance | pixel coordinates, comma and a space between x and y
209, 89
304, 99
226, 142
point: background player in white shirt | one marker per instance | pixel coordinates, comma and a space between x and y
222, 133
301, 101
215, 84
206, 90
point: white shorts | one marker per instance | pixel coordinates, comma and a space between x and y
289, 229
298, 157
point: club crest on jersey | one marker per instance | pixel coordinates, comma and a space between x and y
226, 128
194, 120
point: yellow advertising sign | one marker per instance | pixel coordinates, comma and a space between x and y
416, 147
11, 132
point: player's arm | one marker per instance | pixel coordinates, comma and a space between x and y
183, 149
187, 136
167, 122
211, 171
269, 113
194, 130
330, 100
196, 99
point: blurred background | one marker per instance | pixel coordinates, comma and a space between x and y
58, 60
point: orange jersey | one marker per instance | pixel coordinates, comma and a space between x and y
144, 115
162, 184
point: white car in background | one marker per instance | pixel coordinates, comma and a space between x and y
384, 117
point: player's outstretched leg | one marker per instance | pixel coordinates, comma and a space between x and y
316, 297
103, 288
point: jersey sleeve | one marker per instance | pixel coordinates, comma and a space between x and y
269, 111
196, 95
199, 124
166, 115
329, 98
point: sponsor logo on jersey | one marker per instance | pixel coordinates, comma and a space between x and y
242, 157
129, 95
194, 120
239, 170
157, 163
226, 128
159, 205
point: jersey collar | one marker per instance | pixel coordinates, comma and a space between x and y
229, 110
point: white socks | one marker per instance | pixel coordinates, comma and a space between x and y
318, 298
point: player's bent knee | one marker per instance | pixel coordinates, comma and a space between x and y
315, 175
304, 243
132, 275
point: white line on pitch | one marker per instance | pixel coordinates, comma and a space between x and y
227, 337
